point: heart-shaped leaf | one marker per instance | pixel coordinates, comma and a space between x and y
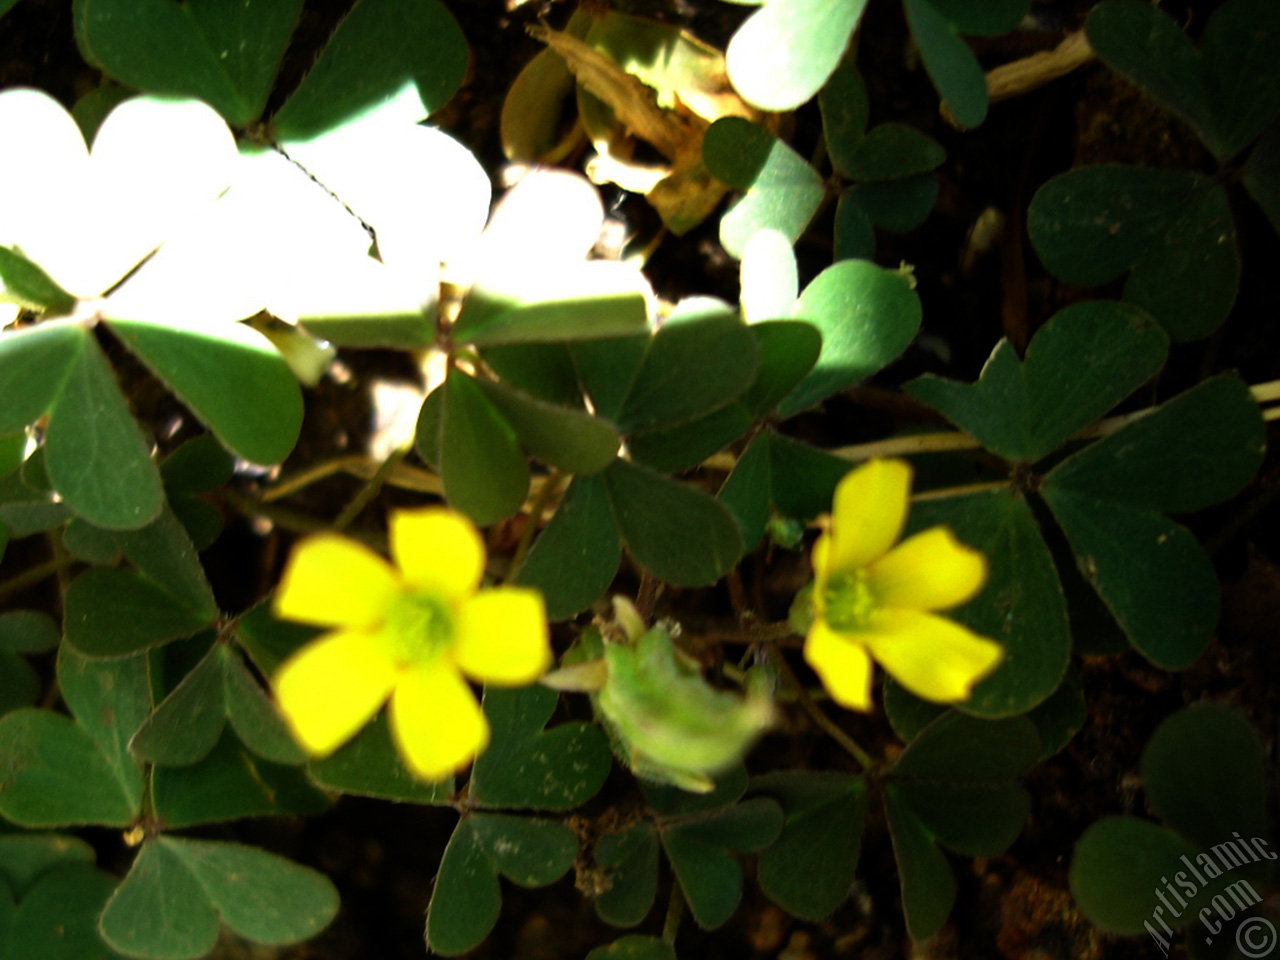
528, 767
867, 316
576, 556
629, 860
484, 470
187, 724
230, 376
782, 191
369, 765
177, 890
95, 453
112, 613
1081, 363
811, 867
572, 440
467, 897
225, 56
1093, 224
951, 65
58, 917
679, 533
785, 51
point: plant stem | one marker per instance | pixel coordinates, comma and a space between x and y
548, 491
675, 912
29, 578
370, 489
815, 713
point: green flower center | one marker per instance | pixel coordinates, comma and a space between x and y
418, 627
848, 602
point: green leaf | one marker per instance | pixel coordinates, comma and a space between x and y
811, 867
783, 191
680, 534
541, 304
629, 860
95, 453
574, 559
1082, 362
1059, 718
892, 151
1195, 450
467, 897
187, 724
951, 65
898, 206
928, 886
1204, 775
24, 283
35, 364
25, 857
607, 368
20, 685
682, 447
855, 238
976, 820
528, 767
13, 449
867, 316
542, 369
1114, 867
1151, 573
907, 713
1022, 606
1262, 174
224, 55
634, 947
92, 544
421, 57
483, 468
783, 54
109, 700
369, 765
164, 553
746, 491
169, 904
142, 916
1240, 51
804, 477
199, 465
1147, 48
699, 853
52, 774
845, 112
58, 918
268, 640
1093, 224
570, 439
690, 368
964, 749
768, 277
259, 895
229, 784
788, 350
28, 631
230, 376
113, 613
426, 436
983, 19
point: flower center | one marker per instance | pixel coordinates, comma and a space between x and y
849, 602
419, 627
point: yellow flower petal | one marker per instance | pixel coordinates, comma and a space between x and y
438, 550
332, 687
868, 513
933, 657
843, 665
436, 722
501, 636
929, 571
332, 581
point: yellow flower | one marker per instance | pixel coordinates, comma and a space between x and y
874, 600
412, 633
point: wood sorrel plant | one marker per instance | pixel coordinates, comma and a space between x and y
599, 456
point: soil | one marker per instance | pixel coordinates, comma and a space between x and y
383, 856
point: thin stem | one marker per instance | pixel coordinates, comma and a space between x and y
546, 494
29, 578
370, 489
815, 713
